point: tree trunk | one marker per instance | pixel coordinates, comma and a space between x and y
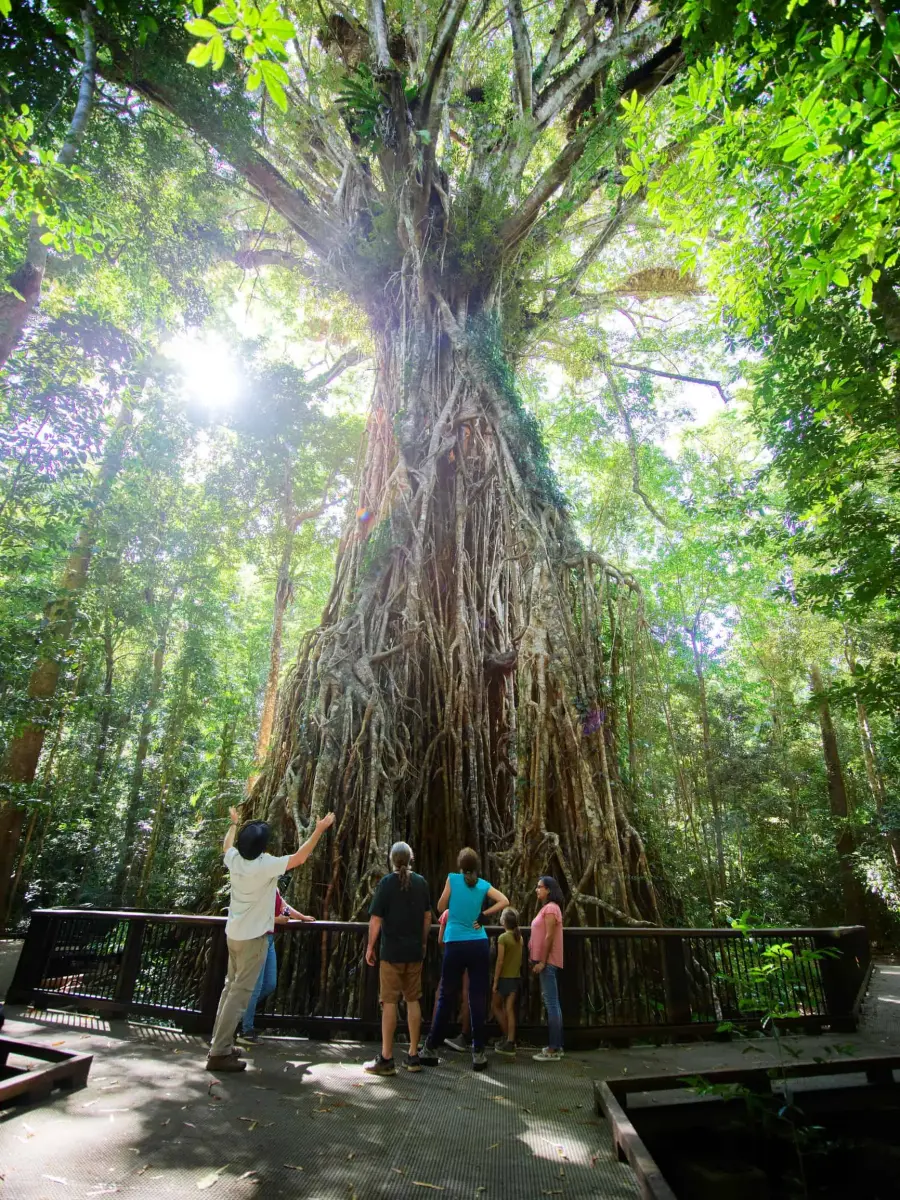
106, 712
709, 768
171, 744
851, 889
24, 747
28, 278
873, 775
284, 593
136, 789
463, 686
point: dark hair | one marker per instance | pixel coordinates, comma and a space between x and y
252, 839
556, 894
470, 865
509, 919
401, 857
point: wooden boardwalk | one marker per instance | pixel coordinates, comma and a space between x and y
306, 1121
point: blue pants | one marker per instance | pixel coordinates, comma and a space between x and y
550, 994
265, 985
459, 957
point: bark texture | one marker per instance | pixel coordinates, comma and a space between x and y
466, 683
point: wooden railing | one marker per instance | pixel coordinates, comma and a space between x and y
617, 983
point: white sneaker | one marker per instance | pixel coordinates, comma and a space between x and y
548, 1055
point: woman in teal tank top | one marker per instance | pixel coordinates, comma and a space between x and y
466, 948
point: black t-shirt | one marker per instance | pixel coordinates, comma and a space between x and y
402, 911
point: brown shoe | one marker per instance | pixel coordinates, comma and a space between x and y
225, 1062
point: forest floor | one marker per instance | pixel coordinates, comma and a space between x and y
305, 1120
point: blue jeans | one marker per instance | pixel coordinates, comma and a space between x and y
265, 985
550, 995
459, 957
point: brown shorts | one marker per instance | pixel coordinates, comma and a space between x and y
400, 979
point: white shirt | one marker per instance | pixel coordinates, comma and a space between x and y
253, 881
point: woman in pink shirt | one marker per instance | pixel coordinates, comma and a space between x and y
545, 949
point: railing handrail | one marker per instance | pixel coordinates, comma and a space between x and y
359, 926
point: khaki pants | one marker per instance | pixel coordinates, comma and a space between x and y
245, 961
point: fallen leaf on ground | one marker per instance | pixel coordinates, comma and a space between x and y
62, 1043
56, 1179
398, 1170
208, 1180
435, 1187
247, 1174
494, 1147
352, 1154
166, 1121
502, 1100
291, 1167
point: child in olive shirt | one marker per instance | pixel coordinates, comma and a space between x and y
507, 978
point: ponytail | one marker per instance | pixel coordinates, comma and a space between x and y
470, 865
401, 857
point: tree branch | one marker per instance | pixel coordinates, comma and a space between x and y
713, 383
350, 358
583, 898
554, 55
567, 85
437, 60
632, 444
378, 34
522, 58
177, 94
517, 226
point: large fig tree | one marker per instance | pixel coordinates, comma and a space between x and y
450, 168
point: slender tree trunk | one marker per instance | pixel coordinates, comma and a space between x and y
171, 743
106, 712
851, 889
28, 278
709, 767
24, 747
136, 789
873, 775
37, 811
284, 593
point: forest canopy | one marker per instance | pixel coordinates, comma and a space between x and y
479, 419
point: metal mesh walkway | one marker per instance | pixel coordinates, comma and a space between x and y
304, 1121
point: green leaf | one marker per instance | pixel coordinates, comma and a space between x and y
218, 51
273, 72
841, 278
837, 41
221, 14
795, 150
865, 291
200, 54
200, 29
254, 78
198, 7
277, 93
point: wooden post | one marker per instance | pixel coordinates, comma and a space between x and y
838, 978
213, 980
32, 963
130, 965
678, 994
